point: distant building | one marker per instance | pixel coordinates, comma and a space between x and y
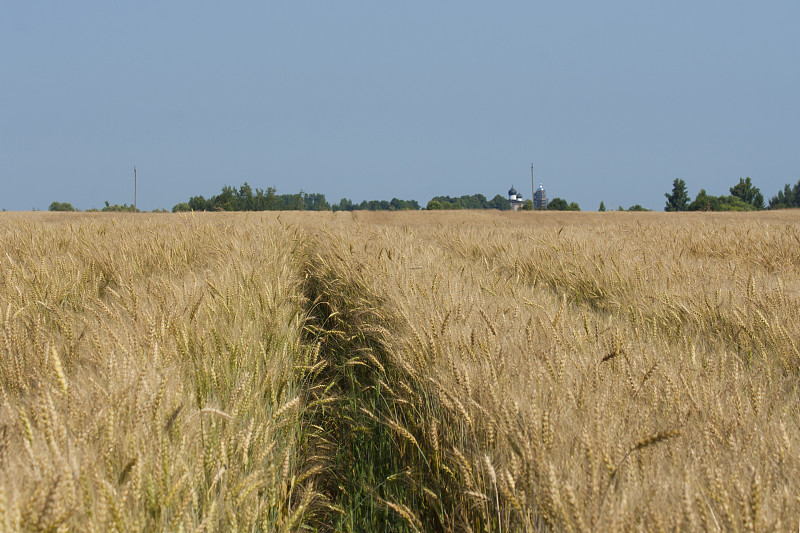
514, 199
540, 198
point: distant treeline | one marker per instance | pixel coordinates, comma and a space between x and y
475, 201
744, 196
66, 206
395, 204
245, 198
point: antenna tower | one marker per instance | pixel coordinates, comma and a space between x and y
134, 188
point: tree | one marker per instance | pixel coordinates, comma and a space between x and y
434, 204
183, 206
296, 201
61, 206
345, 204
116, 208
602, 207
783, 199
679, 199
788, 197
498, 202
198, 203
559, 204
315, 202
403, 205
527, 205
706, 202
226, 200
637, 207
246, 200
749, 194
265, 200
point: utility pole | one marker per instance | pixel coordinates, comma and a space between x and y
134, 188
533, 185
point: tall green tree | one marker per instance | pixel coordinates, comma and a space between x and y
748, 193
602, 206
315, 202
345, 204
679, 199
227, 200
199, 203
265, 200
246, 200
498, 202
788, 197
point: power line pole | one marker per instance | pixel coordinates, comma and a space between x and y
134, 188
533, 185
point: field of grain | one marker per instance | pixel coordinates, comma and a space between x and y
458, 371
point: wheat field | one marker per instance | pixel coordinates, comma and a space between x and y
456, 371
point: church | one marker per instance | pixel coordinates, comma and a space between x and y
514, 199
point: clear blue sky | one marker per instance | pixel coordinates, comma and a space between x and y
373, 100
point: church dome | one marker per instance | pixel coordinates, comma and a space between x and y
512, 191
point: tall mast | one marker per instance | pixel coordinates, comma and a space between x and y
134, 188
533, 185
